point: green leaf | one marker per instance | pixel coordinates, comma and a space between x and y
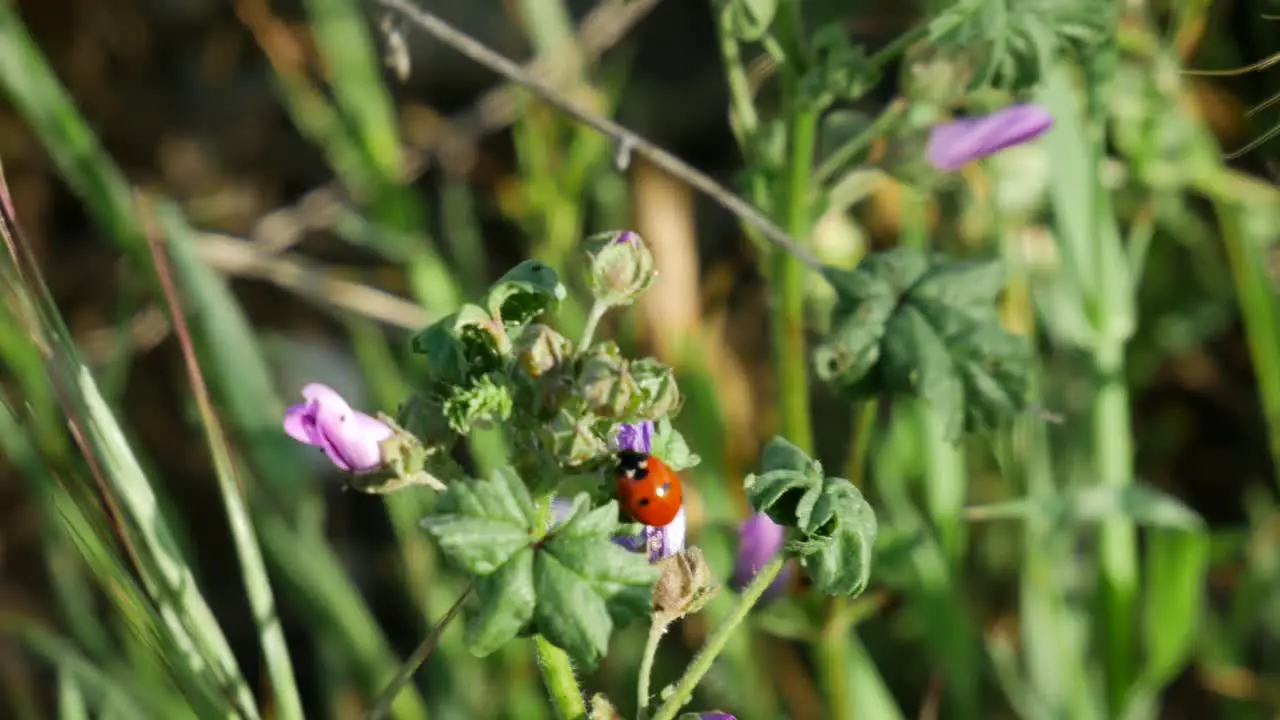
506, 602
1177, 564
837, 526
571, 586
481, 524
1142, 504
461, 346
446, 357
586, 583
525, 292
484, 403
670, 445
904, 322
839, 69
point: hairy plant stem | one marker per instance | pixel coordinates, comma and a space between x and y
388, 696
598, 309
562, 684
833, 658
656, 630
682, 693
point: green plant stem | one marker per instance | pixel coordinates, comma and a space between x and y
598, 309
382, 707
656, 630
1113, 455
786, 290
832, 659
682, 693
842, 155
562, 684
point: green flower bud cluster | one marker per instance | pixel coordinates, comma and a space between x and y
498, 361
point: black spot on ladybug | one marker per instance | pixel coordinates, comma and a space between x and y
643, 502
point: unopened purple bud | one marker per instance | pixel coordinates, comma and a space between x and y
955, 144
621, 267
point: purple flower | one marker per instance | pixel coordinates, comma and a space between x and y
350, 438
955, 144
759, 541
636, 438
660, 542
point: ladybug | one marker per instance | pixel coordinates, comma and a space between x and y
649, 491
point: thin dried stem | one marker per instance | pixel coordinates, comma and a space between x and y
601, 29
473, 49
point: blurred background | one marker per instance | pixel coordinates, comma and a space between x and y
261, 121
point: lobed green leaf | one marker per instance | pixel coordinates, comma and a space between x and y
904, 322
837, 527
571, 586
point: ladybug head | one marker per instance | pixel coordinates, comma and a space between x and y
633, 465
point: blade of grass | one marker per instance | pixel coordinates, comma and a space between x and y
288, 706
342, 37
1246, 233
168, 578
66, 522
326, 593
71, 701
102, 690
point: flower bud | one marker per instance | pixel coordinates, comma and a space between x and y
684, 587
634, 437
351, 439
602, 709
606, 383
622, 267
954, 144
571, 439
540, 349
657, 385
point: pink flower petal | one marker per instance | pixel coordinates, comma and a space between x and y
954, 144
370, 428
300, 423
351, 439
325, 396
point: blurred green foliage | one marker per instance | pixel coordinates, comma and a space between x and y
1112, 556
